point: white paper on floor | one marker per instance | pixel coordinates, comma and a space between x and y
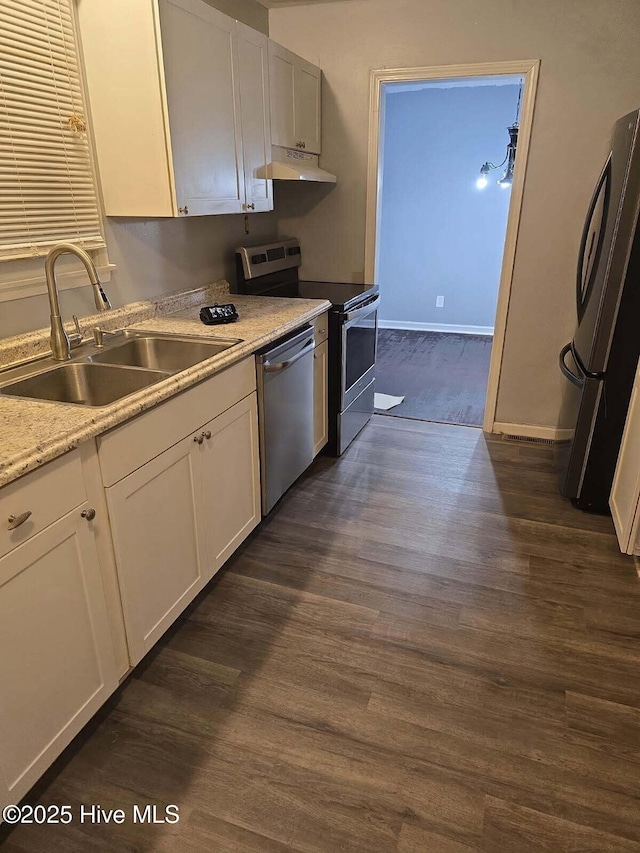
386, 401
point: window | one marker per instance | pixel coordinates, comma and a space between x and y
47, 187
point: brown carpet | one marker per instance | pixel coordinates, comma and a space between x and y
443, 376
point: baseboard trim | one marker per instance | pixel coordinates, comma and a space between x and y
533, 431
435, 327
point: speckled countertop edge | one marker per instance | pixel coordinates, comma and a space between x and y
33, 433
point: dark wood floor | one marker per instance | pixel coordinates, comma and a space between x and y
424, 650
443, 377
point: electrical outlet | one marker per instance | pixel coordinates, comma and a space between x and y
439, 301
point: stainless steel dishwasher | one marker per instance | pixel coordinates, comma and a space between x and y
285, 412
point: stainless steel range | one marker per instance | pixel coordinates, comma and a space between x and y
271, 269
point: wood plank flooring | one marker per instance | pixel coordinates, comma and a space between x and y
424, 650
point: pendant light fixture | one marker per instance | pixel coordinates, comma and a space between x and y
510, 157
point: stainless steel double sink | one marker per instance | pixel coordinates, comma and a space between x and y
130, 361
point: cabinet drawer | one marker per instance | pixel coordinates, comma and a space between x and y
321, 328
131, 445
48, 494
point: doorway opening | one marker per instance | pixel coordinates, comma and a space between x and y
448, 149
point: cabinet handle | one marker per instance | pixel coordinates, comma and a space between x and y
184, 210
89, 514
17, 520
198, 438
251, 207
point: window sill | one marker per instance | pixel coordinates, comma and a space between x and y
36, 286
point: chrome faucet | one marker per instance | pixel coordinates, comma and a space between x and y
60, 343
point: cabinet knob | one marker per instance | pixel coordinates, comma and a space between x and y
207, 434
198, 438
17, 520
251, 207
89, 514
184, 210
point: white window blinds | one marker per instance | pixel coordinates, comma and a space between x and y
47, 190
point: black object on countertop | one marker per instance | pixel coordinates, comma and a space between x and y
213, 315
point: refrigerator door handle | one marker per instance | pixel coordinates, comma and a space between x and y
578, 381
583, 292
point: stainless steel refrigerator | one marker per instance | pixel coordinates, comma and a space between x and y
601, 360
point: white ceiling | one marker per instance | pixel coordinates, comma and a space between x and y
276, 4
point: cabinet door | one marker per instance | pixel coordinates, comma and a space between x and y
281, 77
56, 659
307, 106
199, 48
320, 397
229, 460
253, 56
158, 541
625, 492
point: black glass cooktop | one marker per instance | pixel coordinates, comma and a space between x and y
338, 293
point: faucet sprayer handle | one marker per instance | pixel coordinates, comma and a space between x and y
75, 338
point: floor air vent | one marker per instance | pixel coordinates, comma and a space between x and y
528, 439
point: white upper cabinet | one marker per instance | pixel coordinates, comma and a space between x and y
253, 51
307, 105
165, 79
199, 53
295, 100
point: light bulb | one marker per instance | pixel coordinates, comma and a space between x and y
482, 182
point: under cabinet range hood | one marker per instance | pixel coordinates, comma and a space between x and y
287, 164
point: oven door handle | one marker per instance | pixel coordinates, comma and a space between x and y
367, 308
268, 367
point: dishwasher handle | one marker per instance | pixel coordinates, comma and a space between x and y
269, 367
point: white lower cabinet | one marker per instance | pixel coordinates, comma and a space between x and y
230, 466
320, 397
177, 518
56, 657
182, 492
158, 537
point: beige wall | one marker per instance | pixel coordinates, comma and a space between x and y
590, 75
161, 255
152, 256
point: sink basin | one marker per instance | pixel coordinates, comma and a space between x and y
84, 384
157, 352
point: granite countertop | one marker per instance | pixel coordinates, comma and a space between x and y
34, 432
